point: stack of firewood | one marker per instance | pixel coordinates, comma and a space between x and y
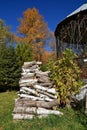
36, 95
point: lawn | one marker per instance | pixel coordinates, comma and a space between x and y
71, 120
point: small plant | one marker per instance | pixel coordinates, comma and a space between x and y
65, 74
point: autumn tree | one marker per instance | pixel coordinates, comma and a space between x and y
6, 36
33, 30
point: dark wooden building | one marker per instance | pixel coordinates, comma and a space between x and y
72, 33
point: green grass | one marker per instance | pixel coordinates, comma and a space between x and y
71, 120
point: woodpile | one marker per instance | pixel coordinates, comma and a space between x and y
36, 95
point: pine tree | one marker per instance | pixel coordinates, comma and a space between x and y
9, 69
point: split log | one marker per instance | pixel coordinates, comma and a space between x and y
39, 63
34, 67
34, 70
29, 103
34, 111
41, 98
45, 93
28, 64
27, 77
25, 70
36, 92
42, 111
27, 84
22, 116
43, 79
40, 73
29, 91
45, 84
25, 110
51, 90
30, 97
26, 116
28, 81
40, 87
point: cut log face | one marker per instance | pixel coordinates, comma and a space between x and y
36, 95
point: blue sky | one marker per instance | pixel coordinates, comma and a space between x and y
53, 11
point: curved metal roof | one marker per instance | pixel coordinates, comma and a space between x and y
81, 8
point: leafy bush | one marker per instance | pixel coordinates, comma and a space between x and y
65, 74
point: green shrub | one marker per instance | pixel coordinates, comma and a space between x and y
65, 74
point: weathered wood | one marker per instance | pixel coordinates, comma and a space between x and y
45, 93
25, 110
33, 67
26, 116
39, 63
22, 116
28, 64
40, 73
40, 87
51, 90
45, 84
29, 91
33, 111
29, 103
28, 81
43, 79
30, 84
41, 98
25, 70
34, 70
35, 93
28, 75
42, 111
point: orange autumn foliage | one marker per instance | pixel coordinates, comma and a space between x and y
47, 55
34, 32
32, 26
41, 54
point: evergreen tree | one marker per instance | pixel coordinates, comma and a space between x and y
24, 53
9, 69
